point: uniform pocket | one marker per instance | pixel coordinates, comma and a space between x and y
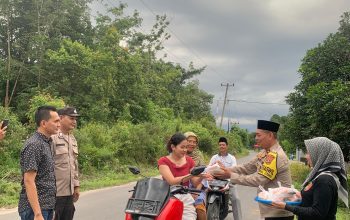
61, 149
61, 156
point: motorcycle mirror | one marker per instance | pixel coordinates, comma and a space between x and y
134, 170
197, 170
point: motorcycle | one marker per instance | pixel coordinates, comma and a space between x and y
218, 199
153, 199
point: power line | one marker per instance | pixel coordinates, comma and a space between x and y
254, 102
251, 102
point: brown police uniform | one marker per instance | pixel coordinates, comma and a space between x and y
65, 153
266, 169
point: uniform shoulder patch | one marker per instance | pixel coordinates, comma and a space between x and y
269, 166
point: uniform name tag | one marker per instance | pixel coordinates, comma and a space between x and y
60, 145
269, 166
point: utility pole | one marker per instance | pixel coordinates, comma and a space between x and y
223, 108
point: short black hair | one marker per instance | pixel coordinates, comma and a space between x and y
175, 140
223, 139
43, 113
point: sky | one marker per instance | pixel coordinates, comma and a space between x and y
255, 45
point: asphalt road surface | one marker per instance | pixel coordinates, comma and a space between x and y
109, 203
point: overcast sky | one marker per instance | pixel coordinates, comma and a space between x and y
255, 44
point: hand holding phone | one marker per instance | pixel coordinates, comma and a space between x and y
5, 123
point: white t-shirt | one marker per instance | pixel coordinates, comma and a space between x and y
229, 160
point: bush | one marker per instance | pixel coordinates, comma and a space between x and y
105, 146
299, 172
96, 147
11, 146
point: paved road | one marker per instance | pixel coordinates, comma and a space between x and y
109, 203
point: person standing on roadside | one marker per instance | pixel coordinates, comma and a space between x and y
65, 153
326, 182
268, 168
38, 195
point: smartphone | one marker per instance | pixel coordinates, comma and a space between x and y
5, 123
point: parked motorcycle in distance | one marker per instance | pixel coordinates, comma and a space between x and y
218, 199
153, 199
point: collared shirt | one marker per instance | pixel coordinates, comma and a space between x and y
228, 160
248, 174
36, 155
65, 153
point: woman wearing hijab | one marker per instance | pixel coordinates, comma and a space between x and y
326, 182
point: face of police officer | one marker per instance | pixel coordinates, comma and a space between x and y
264, 139
191, 144
68, 123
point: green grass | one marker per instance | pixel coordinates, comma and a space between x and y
9, 193
243, 153
9, 190
343, 214
108, 178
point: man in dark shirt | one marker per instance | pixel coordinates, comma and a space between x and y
38, 195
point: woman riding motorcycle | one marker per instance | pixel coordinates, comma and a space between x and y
175, 169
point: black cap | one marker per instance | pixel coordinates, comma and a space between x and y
268, 125
222, 139
70, 111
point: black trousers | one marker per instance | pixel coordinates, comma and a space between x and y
64, 209
280, 218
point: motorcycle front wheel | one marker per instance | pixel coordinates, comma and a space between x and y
213, 211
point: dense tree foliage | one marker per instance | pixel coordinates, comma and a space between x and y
131, 101
51, 46
320, 105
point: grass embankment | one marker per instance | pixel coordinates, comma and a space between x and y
299, 173
9, 189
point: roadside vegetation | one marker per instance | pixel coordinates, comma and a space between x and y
131, 97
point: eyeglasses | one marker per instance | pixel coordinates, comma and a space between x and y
192, 142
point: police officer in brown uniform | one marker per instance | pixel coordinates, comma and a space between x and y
65, 152
266, 169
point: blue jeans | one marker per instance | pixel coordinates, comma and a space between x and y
29, 214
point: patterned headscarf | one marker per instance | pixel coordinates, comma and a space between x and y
326, 155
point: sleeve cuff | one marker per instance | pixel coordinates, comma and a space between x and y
289, 208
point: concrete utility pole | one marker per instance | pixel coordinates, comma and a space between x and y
223, 108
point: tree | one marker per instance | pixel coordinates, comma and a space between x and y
320, 105
27, 29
